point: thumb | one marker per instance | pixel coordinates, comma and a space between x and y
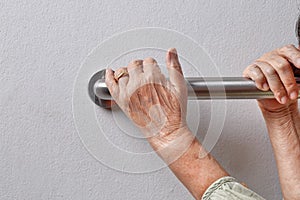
174, 69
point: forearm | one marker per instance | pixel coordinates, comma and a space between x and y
197, 173
283, 131
195, 168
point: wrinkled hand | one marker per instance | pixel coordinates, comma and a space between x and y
156, 105
274, 71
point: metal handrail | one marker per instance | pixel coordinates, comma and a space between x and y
199, 88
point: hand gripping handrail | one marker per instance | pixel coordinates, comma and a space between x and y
199, 88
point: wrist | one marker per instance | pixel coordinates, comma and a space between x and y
172, 146
196, 162
282, 126
280, 117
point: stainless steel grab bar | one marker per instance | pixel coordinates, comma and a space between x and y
198, 88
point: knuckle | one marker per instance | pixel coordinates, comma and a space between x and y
286, 48
250, 67
272, 54
278, 50
282, 65
270, 71
290, 46
135, 63
290, 85
260, 77
176, 66
118, 70
258, 62
295, 55
149, 60
266, 56
255, 73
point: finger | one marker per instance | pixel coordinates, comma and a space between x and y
135, 68
150, 66
274, 81
111, 83
253, 72
286, 75
152, 71
174, 69
123, 80
291, 53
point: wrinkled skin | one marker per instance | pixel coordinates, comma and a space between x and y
274, 71
156, 105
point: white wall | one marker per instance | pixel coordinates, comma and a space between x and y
42, 46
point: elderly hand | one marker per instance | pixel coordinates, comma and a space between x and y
274, 71
156, 105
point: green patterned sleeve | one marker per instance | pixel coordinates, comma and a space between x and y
227, 188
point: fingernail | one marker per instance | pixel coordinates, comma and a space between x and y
265, 86
173, 50
173, 53
293, 95
283, 100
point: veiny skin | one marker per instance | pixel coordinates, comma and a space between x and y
158, 107
274, 71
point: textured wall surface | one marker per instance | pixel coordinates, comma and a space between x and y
42, 46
